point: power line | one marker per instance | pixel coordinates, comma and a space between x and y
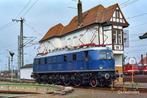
125, 2
139, 15
6, 25
129, 3
32, 28
22, 10
26, 12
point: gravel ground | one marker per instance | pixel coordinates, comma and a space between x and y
87, 93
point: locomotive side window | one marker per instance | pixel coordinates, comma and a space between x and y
35, 62
86, 55
65, 58
74, 57
54, 59
45, 60
39, 61
80, 56
59, 59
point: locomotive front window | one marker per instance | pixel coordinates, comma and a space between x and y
105, 55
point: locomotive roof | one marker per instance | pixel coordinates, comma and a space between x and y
65, 51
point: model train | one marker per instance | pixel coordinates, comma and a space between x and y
92, 65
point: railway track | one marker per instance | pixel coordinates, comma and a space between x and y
115, 88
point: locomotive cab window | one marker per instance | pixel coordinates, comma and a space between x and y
105, 55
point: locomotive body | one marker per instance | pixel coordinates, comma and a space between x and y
94, 65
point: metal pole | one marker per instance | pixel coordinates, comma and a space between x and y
21, 41
11, 68
18, 57
9, 64
20, 45
132, 74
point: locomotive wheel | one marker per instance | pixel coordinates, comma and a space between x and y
77, 80
93, 81
66, 80
38, 80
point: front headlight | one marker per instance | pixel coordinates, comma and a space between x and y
101, 67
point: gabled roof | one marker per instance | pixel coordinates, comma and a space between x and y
55, 31
98, 14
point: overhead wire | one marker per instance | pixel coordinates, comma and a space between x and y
129, 2
27, 11
23, 9
6, 25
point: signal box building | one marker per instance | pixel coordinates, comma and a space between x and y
100, 26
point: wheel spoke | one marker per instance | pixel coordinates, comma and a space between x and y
93, 82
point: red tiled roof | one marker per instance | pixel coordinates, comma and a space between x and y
52, 32
98, 14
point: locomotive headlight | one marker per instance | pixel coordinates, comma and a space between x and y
101, 67
107, 76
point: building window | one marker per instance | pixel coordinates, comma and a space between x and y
117, 37
117, 14
120, 37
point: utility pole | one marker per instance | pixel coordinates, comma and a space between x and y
9, 64
12, 69
20, 44
18, 57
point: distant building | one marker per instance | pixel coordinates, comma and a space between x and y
26, 71
143, 61
9, 74
99, 25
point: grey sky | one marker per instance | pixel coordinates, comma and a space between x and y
46, 13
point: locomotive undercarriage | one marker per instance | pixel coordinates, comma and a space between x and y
94, 79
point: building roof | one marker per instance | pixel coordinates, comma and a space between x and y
143, 36
27, 66
98, 14
143, 61
55, 31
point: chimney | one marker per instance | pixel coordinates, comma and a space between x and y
79, 6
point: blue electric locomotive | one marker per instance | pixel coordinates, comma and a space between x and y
93, 65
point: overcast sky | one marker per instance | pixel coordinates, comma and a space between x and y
40, 15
